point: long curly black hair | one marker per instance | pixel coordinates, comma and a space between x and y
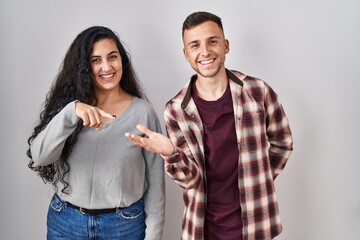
75, 82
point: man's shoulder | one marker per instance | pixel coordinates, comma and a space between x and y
251, 83
246, 78
179, 97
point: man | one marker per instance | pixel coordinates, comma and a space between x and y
229, 139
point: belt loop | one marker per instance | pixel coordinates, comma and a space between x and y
118, 210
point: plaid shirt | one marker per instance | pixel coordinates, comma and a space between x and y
264, 141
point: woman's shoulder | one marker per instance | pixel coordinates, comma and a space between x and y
143, 106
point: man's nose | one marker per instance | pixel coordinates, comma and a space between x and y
205, 50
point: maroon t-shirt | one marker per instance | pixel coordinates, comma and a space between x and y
223, 212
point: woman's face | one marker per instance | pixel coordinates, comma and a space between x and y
106, 65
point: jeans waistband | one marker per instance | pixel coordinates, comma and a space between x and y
88, 211
94, 211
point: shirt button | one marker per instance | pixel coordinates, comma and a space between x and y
103, 126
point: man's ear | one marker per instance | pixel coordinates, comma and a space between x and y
227, 46
185, 54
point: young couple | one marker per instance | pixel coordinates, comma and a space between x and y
228, 139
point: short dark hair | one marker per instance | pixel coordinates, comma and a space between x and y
198, 18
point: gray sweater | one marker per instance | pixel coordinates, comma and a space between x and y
106, 169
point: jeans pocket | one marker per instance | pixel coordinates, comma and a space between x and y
57, 203
133, 211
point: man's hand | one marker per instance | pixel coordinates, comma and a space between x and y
152, 141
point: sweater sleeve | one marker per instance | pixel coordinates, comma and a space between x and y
46, 148
154, 196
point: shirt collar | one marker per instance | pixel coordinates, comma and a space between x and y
187, 97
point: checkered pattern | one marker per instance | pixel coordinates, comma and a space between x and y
265, 144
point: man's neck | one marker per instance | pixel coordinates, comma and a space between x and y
211, 88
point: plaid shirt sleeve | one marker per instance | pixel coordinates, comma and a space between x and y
180, 166
278, 132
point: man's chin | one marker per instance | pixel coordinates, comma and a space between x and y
208, 73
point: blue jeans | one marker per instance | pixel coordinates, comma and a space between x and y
65, 222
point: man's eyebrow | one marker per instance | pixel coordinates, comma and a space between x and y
209, 38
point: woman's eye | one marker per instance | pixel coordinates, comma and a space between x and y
95, 60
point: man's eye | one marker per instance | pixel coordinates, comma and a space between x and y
194, 45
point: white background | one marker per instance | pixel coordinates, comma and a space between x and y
308, 51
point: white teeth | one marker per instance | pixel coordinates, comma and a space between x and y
207, 61
107, 75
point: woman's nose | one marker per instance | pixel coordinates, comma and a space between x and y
106, 66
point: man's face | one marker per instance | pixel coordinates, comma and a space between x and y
205, 48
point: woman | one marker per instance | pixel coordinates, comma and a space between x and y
105, 186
